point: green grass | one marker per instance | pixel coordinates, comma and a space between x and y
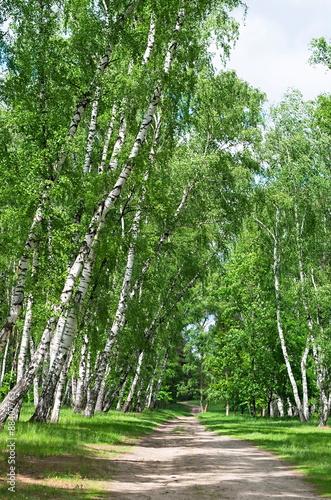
75, 450
303, 445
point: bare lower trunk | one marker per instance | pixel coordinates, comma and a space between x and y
120, 396
91, 133
61, 346
102, 391
4, 361
127, 405
81, 389
159, 381
117, 391
59, 391
23, 351
107, 141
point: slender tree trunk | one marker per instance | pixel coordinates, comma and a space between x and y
119, 389
120, 396
22, 355
36, 378
323, 379
127, 405
91, 133
4, 361
101, 395
159, 381
80, 400
118, 320
59, 390
107, 141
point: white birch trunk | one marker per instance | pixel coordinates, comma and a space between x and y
61, 346
119, 317
101, 394
119, 143
17, 299
80, 400
91, 133
159, 382
127, 405
59, 390
323, 378
150, 42
107, 141
121, 395
23, 351
4, 361
36, 378
153, 400
119, 389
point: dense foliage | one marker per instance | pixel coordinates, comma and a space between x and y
143, 199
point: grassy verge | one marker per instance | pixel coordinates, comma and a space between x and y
303, 445
70, 459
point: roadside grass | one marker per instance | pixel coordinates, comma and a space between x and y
70, 459
303, 445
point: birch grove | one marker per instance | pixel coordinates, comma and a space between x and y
160, 239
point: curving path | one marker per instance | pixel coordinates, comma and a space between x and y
180, 460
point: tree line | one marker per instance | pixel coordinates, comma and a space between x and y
143, 194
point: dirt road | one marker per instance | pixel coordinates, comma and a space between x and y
183, 461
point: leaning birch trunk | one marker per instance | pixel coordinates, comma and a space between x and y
276, 263
152, 401
36, 378
107, 141
305, 398
119, 390
91, 133
101, 395
127, 405
149, 390
120, 396
80, 400
59, 390
324, 407
22, 355
4, 361
138, 406
19, 289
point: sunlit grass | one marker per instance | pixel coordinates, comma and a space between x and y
304, 445
75, 450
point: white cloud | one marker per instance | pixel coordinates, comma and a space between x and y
273, 49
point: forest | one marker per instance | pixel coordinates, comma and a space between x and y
164, 235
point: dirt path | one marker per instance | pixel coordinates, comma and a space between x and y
183, 461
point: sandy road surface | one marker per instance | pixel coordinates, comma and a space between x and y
181, 460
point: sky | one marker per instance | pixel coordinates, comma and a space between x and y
273, 48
